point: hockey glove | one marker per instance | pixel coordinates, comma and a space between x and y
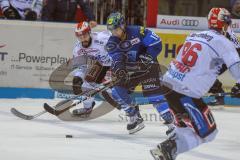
216, 88
11, 13
77, 85
235, 92
30, 15
96, 73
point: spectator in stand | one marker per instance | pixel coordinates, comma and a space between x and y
19, 9
235, 4
65, 10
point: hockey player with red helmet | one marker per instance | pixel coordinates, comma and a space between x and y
191, 75
89, 47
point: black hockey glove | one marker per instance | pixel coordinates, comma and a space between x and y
30, 15
11, 13
235, 91
77, 85
216, 88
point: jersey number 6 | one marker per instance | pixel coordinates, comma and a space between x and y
189, 53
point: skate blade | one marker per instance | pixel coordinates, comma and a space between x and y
156, 154
138, 128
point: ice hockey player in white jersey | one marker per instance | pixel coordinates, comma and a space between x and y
21, 9
191, 75
89, 46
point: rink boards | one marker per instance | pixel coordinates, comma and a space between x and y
31, 51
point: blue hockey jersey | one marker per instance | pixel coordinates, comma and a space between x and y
139, 41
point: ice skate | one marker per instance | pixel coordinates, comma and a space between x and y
83, 112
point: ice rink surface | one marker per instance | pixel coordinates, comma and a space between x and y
104, 138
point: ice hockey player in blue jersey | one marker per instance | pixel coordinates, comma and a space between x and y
135, 49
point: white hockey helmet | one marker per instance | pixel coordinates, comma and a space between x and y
82, 28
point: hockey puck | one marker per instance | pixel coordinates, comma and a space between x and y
69, 136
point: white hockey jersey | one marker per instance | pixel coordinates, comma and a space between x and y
197, 64
21, 5
96, 51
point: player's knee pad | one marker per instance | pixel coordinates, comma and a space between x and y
202, 120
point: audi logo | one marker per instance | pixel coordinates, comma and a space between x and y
190, 22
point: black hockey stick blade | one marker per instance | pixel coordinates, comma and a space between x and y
21, 115
49, 109
56, 112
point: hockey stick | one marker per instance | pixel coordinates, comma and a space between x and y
58, 105
30, 117
24, 116
64, 107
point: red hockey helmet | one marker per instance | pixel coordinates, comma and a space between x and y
82, 28
217, 17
